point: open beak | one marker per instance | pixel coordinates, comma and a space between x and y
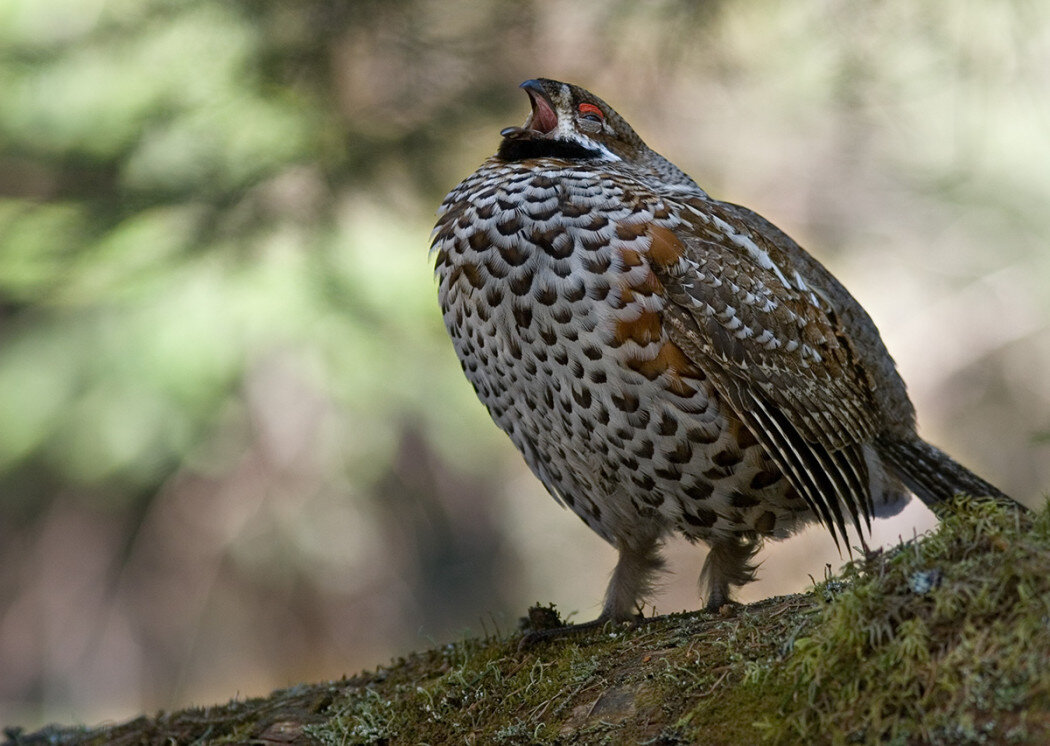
542, 120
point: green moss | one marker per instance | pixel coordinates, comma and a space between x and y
614, 686
453, 695
943, 641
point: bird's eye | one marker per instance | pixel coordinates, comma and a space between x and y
591, 112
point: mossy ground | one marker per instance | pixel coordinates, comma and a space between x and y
945, 640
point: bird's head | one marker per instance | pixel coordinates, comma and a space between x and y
571, 123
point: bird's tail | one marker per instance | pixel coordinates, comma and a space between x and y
932, 474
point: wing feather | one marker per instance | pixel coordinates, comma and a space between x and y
778, 354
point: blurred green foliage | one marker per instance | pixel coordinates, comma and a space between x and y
175, 206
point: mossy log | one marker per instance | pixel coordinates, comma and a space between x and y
943, 640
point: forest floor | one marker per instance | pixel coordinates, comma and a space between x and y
942, 640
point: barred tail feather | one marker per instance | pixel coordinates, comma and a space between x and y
932, 474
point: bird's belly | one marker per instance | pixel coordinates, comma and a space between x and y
606, 410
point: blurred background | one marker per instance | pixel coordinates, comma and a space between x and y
236, 448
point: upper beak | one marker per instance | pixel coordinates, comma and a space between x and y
543, 118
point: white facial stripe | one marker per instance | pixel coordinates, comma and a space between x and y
566, 131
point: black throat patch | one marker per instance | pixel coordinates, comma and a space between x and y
512, 149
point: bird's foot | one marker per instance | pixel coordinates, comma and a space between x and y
544, 624
722, 606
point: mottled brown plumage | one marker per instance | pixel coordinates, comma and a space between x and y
665, 361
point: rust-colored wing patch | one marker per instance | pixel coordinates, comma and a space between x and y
672, 361
666, 250
643, 330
